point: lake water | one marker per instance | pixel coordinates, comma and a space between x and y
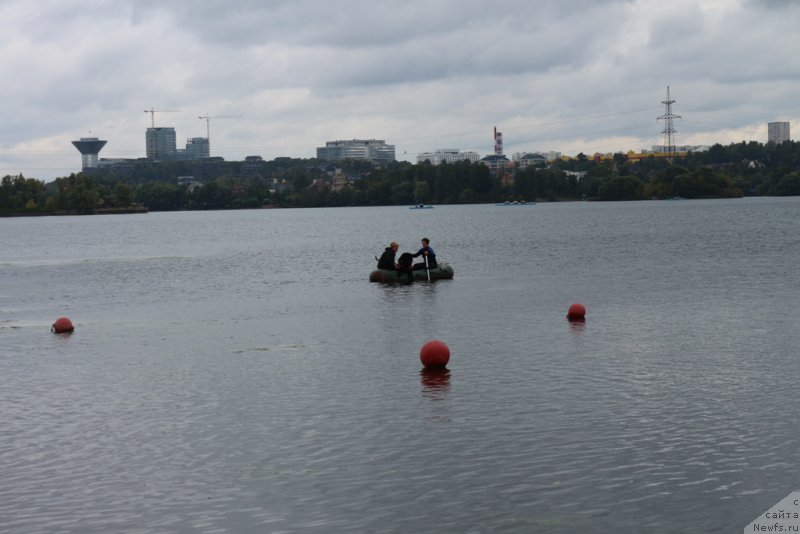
236, 372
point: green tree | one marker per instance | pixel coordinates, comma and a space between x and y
18, 192
161, 197
787, 185
467, 196
123, 195
621, 188
422, 191
378, 194
78, 193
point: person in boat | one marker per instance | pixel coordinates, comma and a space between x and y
426, 252
386, 260
404, 265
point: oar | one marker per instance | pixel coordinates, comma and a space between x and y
426, 266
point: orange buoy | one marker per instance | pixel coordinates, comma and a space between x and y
576, 312
434, 354
62, 326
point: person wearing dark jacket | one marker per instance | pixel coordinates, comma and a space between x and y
386, 260
426, 252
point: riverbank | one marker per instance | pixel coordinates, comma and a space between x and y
98, 211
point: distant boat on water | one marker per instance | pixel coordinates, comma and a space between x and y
421, 207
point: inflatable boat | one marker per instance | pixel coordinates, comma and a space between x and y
443, 271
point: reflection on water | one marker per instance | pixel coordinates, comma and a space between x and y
436, 389
435, 383
577, 325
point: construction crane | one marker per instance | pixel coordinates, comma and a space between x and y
208, 118
153, 112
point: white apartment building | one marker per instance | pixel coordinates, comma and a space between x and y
661, 149
530, 159
777, 132
447, 155
375, 150
549, 155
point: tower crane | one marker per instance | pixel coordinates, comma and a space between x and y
153, 112
208, 118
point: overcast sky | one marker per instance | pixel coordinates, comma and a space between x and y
284, 77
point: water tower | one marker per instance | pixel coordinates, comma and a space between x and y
89, 147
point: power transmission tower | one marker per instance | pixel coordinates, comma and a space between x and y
669, 131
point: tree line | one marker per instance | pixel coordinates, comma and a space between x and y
740, 169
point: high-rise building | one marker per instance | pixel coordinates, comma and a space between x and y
89, 147
197, 148
160, 143
777, 132
375, 150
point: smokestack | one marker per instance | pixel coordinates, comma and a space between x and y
498, 142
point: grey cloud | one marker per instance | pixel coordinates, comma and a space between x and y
774, 4
358, 24
427, 74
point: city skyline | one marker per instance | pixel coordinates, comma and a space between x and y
571, 77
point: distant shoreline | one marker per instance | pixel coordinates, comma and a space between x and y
98, 211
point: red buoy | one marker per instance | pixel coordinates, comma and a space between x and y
434, 354
577, 312
62, 326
